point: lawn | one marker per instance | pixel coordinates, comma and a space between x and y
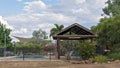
52, 64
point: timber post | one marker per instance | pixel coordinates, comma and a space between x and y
58, 48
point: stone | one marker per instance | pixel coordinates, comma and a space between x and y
108, 62
88, 61
117, 61
96, 63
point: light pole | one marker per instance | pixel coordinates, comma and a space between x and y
4, 44
14, 47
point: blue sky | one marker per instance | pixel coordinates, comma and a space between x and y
10, 7
25, 16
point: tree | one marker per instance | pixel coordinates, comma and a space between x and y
108, 31
4, 32
68, 47
86, 50
4, 37
113, 8
28, 48
56, 29
39, 35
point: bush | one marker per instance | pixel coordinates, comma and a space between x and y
100, 59
86, 50
29, 48
114, 56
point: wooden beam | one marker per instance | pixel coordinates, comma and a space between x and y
75, 37
58, 48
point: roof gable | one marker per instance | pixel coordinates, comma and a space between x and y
76, 29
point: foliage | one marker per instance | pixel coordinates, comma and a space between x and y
108, 31
86, 50
56, 29
112, 8
28, 48
100, 59
35, 45
67, 47
50, 47
38, 36
4, 31
114, 56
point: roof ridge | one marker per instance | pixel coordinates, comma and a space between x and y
75, 24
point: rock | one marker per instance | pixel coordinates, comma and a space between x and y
77, 62
96, 63
73, 62
117, 61
108, 62
83, 62
88, 61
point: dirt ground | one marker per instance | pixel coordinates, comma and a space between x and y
52, 64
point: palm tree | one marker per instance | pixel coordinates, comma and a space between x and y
56, 29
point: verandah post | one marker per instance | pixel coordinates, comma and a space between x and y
58, 48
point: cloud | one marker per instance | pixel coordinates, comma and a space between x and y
80, 10
83, 11
39, 14
25, 24
34, 6
19, 0
20, 31
72, 3
40, 18
5, 23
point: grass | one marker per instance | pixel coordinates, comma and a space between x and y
32, 64
52, 64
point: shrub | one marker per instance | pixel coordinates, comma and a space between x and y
100, 59
114, 56
86, 50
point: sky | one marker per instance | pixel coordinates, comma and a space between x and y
25, 16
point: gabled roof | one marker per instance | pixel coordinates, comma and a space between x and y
78, 30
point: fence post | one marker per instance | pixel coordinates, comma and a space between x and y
23, 55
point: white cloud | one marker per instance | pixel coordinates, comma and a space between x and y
34, 21
20, 31
41, 15
5, 23
23, 30
34, 5
19, 0
81, 11
45, 26
100, 3
80, 1
72, 2
40, 18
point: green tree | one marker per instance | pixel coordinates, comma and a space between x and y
28, 48
108, 31
4, 32
35, 45
39, 36
68, 47
56, 29
112, 8
86, 50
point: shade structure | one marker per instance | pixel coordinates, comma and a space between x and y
73, 32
